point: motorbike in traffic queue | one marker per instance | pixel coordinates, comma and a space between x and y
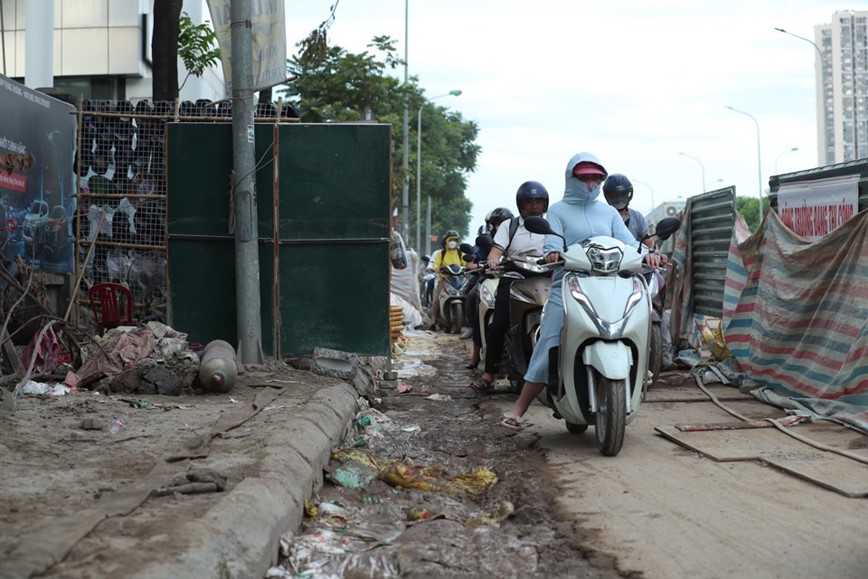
655, 277
452, 297
527, 296
598, 372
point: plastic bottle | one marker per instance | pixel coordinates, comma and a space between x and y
116, 426
218, 368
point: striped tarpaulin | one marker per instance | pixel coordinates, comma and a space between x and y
796, 312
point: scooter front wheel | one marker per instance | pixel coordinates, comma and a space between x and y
611, 419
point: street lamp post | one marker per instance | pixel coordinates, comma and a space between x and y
759, 166
405, 190
700, 164
454, 92
650, 188
791, 150
820, 106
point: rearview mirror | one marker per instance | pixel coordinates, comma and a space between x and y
484, 241
666, 227
541, 226
538, 225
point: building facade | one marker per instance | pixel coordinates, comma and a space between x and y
842, 87
99, 49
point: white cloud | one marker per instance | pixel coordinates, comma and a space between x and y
632, 81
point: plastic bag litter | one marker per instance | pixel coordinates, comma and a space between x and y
439, 397
713, 338
503, 511
326, 554
353, 475
436, 479
361, 455
34, 388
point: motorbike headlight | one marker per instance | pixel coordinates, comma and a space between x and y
486, 295
604, 260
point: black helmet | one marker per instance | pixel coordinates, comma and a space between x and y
498, 216
531, 190
447, 235
618, 190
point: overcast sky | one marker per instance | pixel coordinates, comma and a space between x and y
632, 81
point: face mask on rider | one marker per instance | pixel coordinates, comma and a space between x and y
452, 244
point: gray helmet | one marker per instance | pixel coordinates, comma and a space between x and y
618, 191
498, 216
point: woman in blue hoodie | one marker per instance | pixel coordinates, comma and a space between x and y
578, 216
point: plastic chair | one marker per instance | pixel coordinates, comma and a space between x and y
105, 300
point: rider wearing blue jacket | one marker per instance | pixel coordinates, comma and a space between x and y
578, 216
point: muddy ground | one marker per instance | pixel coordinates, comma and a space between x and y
76, 492
397, 531
77, 498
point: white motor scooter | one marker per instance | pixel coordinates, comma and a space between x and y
602, 361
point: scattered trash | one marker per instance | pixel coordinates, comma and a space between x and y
402, 387
439, 397
436, 479
503, 511
218, 368
116, 426
412, 428
38, 388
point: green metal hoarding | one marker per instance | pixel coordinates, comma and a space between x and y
324, 276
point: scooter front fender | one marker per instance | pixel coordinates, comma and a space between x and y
611, 359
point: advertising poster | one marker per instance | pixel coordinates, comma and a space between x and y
268, 20
37, 139
813, 209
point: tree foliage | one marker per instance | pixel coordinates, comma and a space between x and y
749, 209
175, 36
197, 46
330, 84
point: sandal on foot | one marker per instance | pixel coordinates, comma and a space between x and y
472, 366
513, 421
482, 385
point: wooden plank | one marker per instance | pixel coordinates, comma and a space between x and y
837, 473
719, 445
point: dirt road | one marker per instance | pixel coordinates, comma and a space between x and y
721, 507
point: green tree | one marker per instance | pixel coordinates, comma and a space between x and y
749, 209
197, 47
330, 84
175, 35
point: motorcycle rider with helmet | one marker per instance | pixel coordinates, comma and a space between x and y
578, 216
493, 220
449, 254
531, 199
618, 191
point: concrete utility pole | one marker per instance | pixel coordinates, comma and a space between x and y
247, 303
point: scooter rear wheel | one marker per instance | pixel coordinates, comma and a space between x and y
655, 354
574, 428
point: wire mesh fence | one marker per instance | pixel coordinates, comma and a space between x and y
120, 224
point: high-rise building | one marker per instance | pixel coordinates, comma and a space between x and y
842, 87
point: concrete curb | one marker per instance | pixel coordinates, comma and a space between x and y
239, 538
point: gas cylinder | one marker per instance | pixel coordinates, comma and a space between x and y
218, 368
